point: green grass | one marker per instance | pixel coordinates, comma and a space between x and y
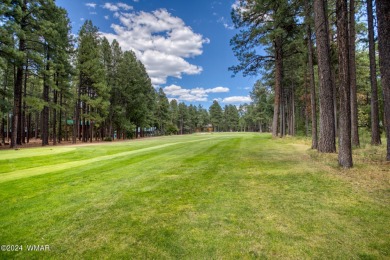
216, 196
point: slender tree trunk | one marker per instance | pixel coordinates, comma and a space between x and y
345, 149
293, 110
29, 127
335, 94
352, 67
17, 99
76, 117
306, 111
45, 111
36, 125
278, 85
60, 120
91, 132
383, 16
23, 115
2, 133
375, 132
3, 121
313, 97
327, 143
55, 99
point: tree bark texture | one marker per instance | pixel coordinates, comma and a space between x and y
345, 148
314, 134
45, 97
17, 100
375, 132
352, 73
383, 16
278, 85
327, 142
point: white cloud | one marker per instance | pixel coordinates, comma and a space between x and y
106, 17
116, 7
195, 94
111, 7
124, 6
93, 13
217, 90
237, 99
161, 41
92, 5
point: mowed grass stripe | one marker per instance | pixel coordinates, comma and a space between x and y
25, 173
232, 196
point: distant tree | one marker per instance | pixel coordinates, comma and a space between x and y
183, 117
162, 111
271, 24
174, 113
93, 93
216, 115
203, 118
231, 118
262, 106
193, 118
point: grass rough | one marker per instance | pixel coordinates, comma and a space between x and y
235, 195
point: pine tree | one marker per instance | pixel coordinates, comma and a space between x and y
215, 111
345, 149
327, 143
93, 93
375, 130
383, 16
270, 23
162, 111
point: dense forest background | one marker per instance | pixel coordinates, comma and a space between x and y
319, 71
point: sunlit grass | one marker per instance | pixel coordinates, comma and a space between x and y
192, 197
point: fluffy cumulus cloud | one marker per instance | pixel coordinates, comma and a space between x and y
161, 41
237, 99
191, 95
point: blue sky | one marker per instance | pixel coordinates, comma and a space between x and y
184, 45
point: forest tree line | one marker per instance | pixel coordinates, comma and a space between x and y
319, 60
57, 87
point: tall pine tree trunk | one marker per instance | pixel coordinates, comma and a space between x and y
4, 132
345, 149
76, 116
352, 72
375, 132
383, 16
313, 96
45, 96
327, 143
55, 98
17, 99
278, 86
60, 120
23, 121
